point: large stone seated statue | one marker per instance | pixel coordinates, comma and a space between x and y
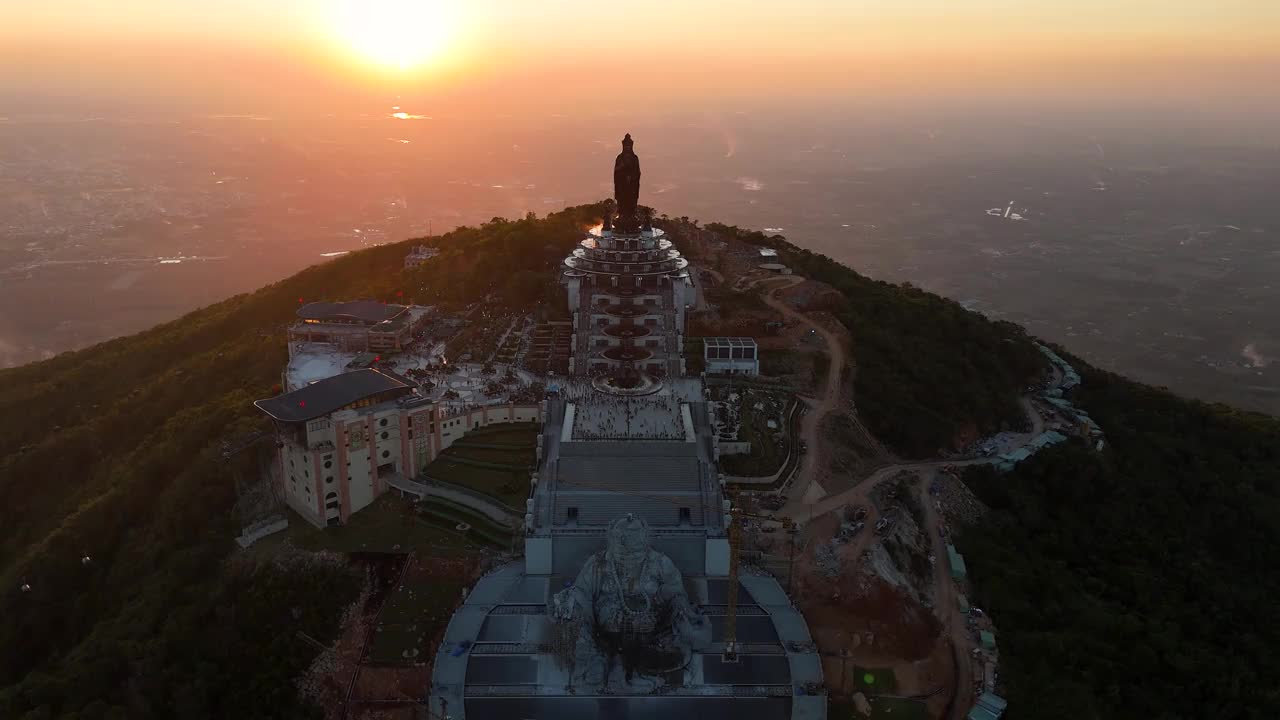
627, 616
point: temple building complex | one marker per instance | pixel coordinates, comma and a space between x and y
358, 325
628, 289
622, 604
347, 439
627, 600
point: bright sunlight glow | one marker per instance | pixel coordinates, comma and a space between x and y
401, 34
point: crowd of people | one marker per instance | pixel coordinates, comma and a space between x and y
606, 417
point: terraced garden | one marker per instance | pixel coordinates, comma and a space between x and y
480, 529
495, 461
768, 445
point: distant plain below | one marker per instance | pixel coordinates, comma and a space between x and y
1159, 262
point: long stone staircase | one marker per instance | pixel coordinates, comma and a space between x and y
582, 328
670, 332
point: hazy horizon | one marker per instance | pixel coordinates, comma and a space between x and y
1214, 63
156, 157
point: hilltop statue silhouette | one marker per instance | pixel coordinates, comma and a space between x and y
626, 186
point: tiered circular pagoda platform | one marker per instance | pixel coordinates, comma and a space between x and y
627, 281
645, 384
627, 332
626, 354
627, 311
643, 253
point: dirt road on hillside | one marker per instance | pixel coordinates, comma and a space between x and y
804, 508
946, 605
809, 500
805, 485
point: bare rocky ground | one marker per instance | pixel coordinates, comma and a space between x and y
899, 554
868, 600
853, 452
867, 596
327, 681
958, 504
811, 296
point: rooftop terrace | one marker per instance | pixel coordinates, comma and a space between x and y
332, 394
366, 312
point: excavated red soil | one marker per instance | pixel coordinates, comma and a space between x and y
899, 627
390, 684
424, 567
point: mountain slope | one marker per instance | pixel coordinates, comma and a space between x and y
1140, 582
930, 375
113, 452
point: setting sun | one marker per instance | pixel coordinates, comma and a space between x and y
400, 34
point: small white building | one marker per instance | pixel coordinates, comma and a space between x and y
419, 255
731, 355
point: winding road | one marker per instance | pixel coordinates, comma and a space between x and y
947, 608
805, 484
810, 500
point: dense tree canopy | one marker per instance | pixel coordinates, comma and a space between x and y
928, 373
113, 452
1140, 582
515, 263
1132, 584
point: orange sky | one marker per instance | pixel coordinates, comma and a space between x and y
291, 52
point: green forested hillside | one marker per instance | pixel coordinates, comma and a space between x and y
113, 452
928, 371
1132, 584
1141, 582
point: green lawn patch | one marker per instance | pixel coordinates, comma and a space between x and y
507, 486
482, 531
489, 445
500, 466
872, 681
520, 457
522, 433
